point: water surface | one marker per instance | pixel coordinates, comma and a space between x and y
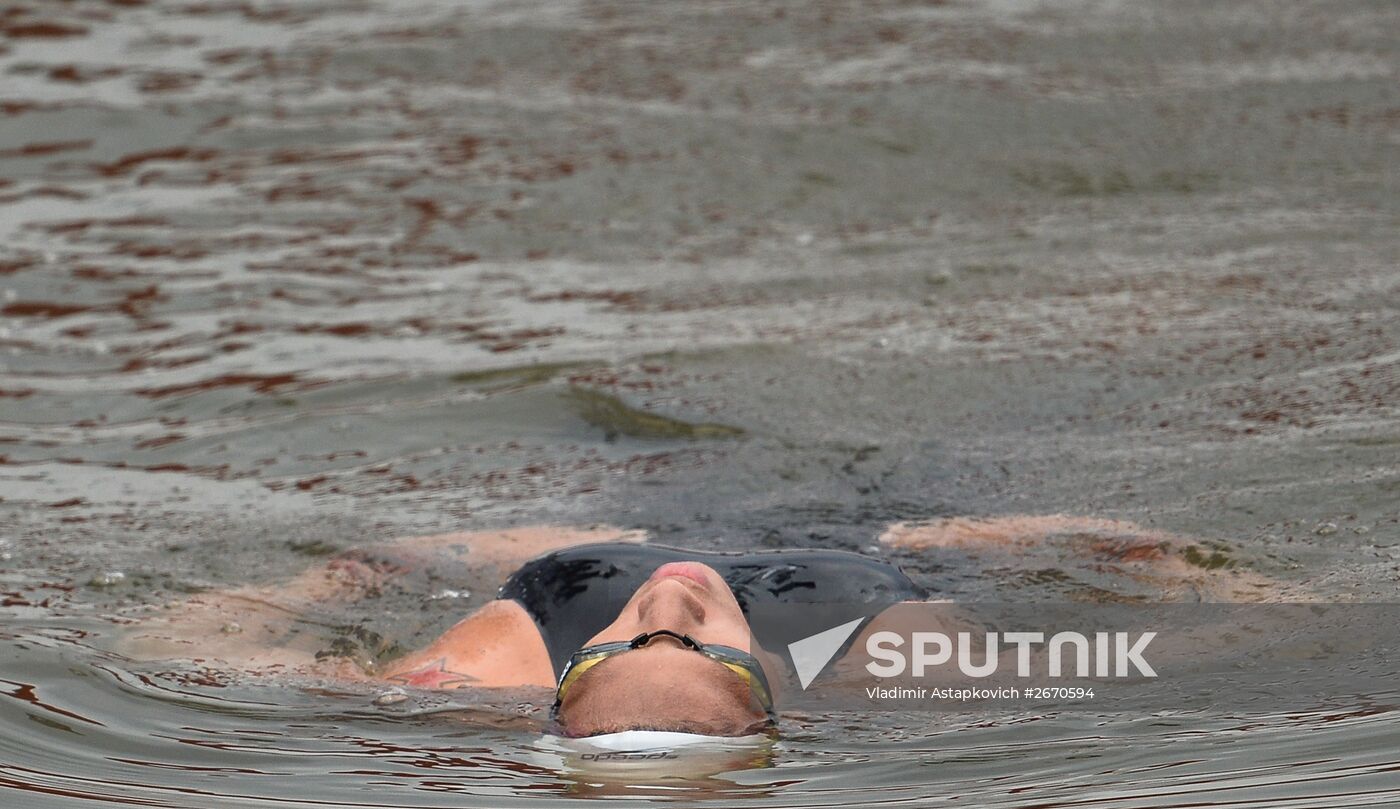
282, 278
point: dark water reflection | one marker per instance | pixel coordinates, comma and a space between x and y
278, 279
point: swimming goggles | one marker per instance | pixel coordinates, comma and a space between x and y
736, 660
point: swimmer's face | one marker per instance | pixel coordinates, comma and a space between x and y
663, 685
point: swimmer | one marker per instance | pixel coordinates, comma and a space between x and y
632, 636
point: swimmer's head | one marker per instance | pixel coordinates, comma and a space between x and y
666, 685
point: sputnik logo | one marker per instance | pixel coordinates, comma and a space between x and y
811, 654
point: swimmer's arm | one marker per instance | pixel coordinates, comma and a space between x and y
247, 627
1123, 556
498, 646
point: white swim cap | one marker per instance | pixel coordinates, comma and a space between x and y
656, 754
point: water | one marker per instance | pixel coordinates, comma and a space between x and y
279, 279
160, 741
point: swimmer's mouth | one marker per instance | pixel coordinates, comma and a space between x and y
687, 571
